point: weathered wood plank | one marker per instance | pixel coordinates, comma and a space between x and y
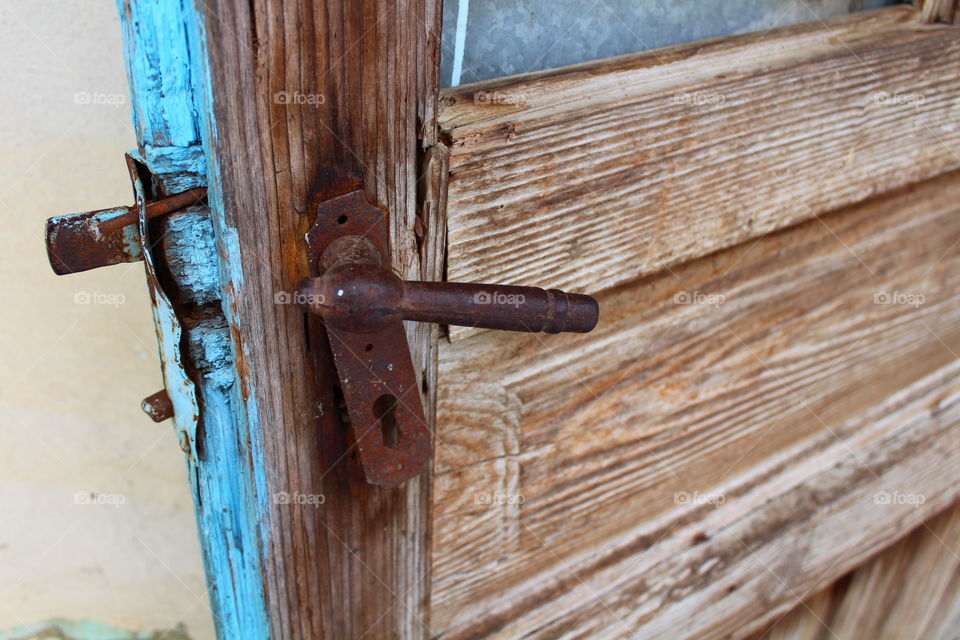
589, 177
675, 464
910, 590
933, 11
308, 100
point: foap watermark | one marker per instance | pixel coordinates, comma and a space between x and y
96, 98
699, 98
300, 499
899, 297
497, 498
500, 98
897, 98
495, 297
95, 498
298, 297
99, 298
685, 497
695, 297
300, 98
895, 497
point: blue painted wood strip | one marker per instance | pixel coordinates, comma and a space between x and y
161, 76
224, 485
164, 48
159, 72
230, 270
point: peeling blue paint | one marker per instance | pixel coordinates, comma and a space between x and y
164, 42
160, 76
172, 159
190, 247
231, 272
179, 168
211, 352
231, 539
159, 72
180, 388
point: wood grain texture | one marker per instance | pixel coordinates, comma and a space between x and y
934, 11
588, 177
712, 451
308, 100
910, 590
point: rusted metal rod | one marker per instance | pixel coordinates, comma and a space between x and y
507, 308
82, 241
363, 297
154, 209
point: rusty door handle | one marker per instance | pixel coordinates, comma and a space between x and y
363, 297
356, 299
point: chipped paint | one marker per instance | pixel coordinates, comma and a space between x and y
165, 52
240, 403
159, 72
180, 388
190, 248
177, 168
160, 77
248, 414
223, 488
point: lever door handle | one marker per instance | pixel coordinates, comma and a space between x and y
361, 296
359, 302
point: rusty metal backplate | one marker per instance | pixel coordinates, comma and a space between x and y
377, 378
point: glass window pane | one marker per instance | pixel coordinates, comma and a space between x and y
491, 38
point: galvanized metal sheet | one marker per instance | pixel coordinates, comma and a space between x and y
490, 38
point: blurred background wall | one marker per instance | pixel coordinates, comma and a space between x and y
79, 353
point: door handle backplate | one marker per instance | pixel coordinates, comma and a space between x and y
361, 304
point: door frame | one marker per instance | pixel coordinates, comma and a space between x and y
278, 108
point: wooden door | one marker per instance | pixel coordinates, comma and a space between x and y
771, 227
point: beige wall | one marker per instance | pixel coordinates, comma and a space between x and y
72, 375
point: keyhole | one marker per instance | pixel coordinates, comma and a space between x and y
385, 411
